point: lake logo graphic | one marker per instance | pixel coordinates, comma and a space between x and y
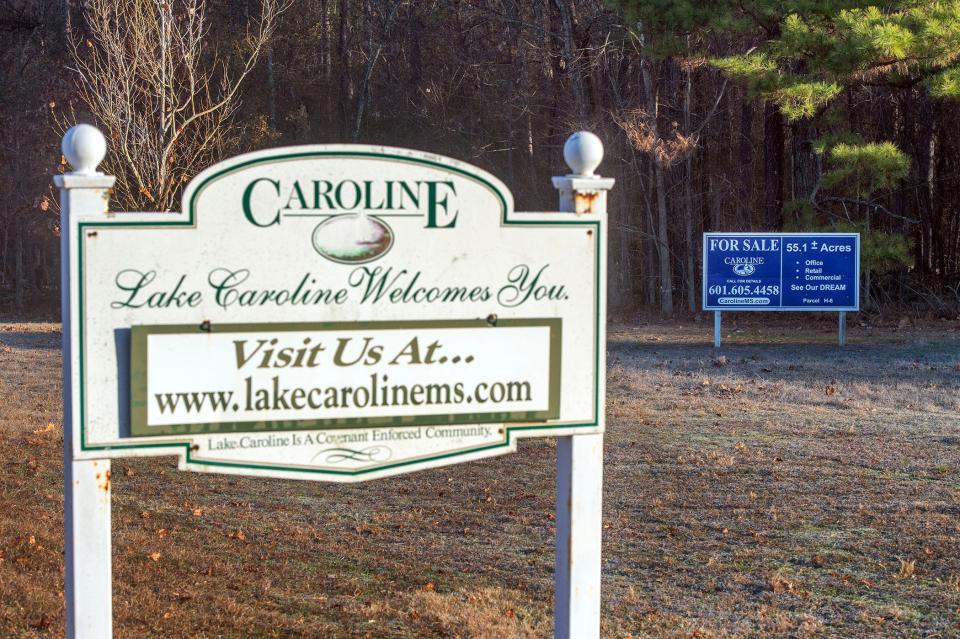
352, 238
744, 269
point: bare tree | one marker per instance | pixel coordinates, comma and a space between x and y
642, 129
497, 82
147, 75
364, 92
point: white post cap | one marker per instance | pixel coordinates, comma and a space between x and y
583, 153
84, 147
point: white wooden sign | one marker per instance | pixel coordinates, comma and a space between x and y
336, 313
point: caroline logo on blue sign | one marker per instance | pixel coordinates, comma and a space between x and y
743, 266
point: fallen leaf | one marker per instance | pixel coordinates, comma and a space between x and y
46, 429
780, 584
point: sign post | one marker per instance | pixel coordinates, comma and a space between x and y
781, 272
333, 313
580, 457
86, 499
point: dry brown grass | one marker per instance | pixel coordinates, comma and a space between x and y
742, 500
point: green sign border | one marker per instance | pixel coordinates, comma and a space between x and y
591, 223
139, 379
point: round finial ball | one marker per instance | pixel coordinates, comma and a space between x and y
84, 147
583, 152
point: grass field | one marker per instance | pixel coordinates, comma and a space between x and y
780, 487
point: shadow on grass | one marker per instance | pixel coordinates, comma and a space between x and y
934, 362
31, 340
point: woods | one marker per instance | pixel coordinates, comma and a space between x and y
748, 115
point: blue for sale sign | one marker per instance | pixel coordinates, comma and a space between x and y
781, 271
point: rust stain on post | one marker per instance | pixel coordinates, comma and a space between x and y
105, 484
585, 201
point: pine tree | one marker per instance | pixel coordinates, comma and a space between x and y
802, 55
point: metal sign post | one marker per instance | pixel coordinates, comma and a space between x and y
716, 329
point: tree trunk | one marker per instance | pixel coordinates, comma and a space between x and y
416, 55
515, 84
806, 173
570, 64
773, 157
652, 246
716, 203
867, 299
363, 94
745, 160
343, 54
663, 244
688, 206
19, 276
663, 237
326, 53
271, 91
